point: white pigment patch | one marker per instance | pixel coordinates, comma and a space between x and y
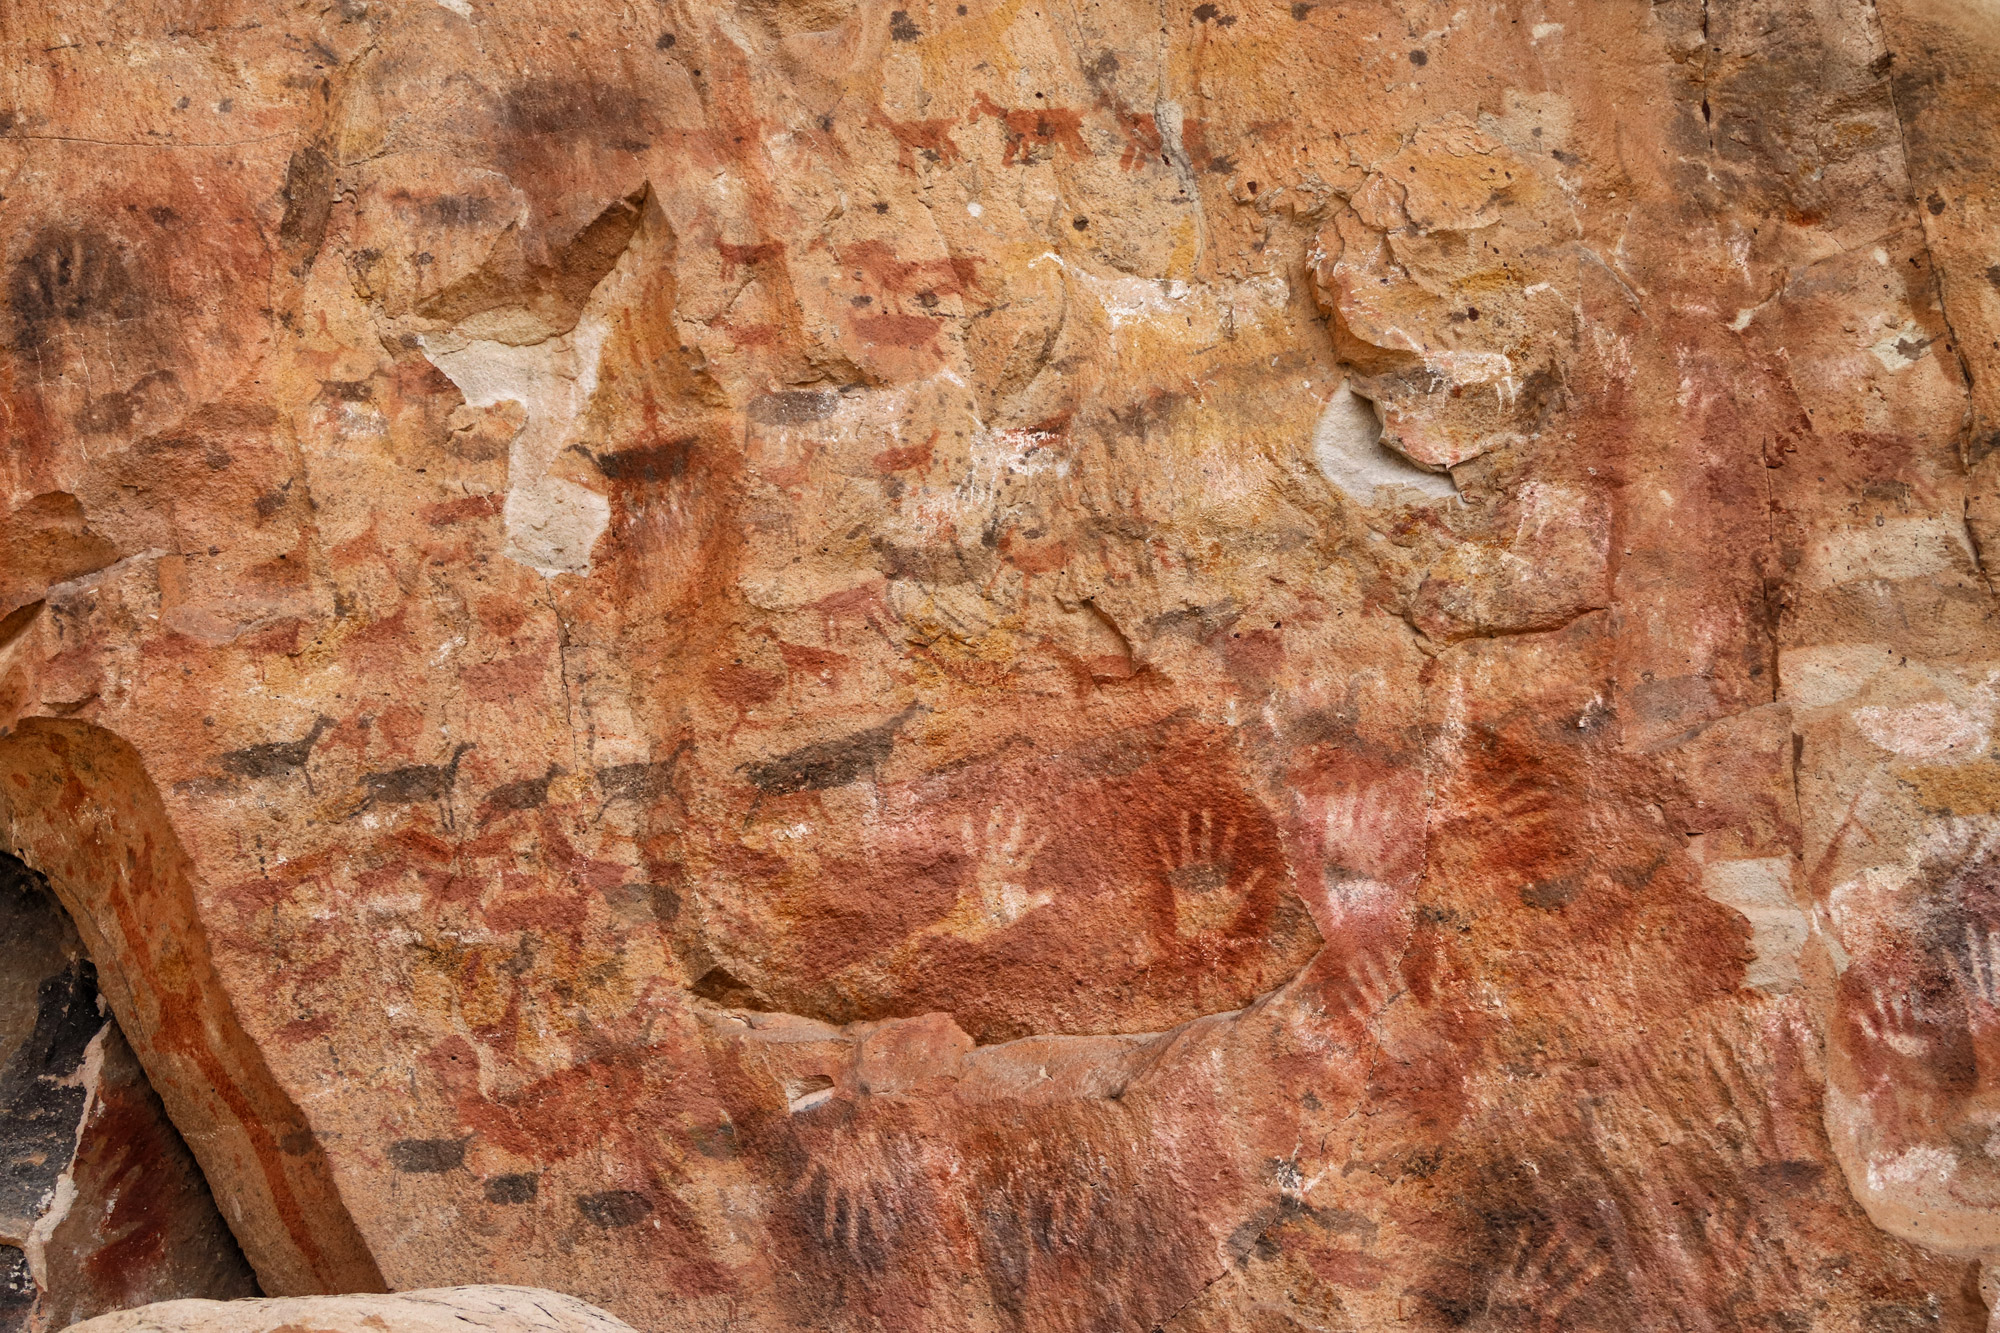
1128, 300
1935, 730
1931, 1166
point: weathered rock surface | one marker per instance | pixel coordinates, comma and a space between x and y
975, 666
101, 1205
489, 1309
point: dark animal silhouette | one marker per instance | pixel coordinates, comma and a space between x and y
826, 764
418, 782
520, 794
276, 758
641, 782
654, 463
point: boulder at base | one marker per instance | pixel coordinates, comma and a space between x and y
484, 1309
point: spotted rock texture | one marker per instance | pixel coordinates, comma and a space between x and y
988, 666
101, 1205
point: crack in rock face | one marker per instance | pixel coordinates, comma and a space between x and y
1198, 669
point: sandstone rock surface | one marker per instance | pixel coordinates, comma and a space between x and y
477, 1309
990, 665
101, 1205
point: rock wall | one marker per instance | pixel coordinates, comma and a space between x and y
101, 1205
1205, 666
